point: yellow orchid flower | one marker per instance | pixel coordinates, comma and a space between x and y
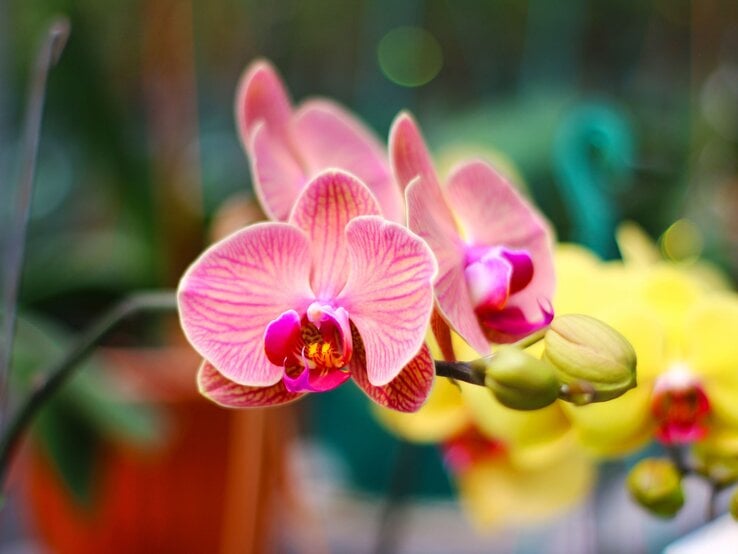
510, 467
683, 325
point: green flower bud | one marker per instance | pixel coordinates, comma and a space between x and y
518, 380
592, 360
734, 505
655, 483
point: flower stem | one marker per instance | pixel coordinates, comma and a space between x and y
460, 371
59, 373
469, 372
48, 55
531, 339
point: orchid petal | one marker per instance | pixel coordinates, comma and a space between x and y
409, 154
221, 390
278, 176
499, 493
711, 337
405, 393
430, 218
231, 293
494, 213
442, 416
323, 210
388, 294
261, 98
331, 137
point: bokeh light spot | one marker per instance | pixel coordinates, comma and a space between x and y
682, 241
409, 56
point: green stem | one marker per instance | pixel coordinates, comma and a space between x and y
468, 373
59, 373
48, 55
531, 339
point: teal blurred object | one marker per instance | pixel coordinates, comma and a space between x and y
342, 420
593, 153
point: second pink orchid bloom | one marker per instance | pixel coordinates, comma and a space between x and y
496, 274
282, 309
287, 147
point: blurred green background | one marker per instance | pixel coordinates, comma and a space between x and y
609, 111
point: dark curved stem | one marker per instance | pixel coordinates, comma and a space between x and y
48, 55
460, 371
57, 375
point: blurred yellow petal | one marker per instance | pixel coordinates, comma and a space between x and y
497, 492
442, 416
533, 435
711, 337
646, 332
669, 293
636, 247
577, 270
708, 275
615, 427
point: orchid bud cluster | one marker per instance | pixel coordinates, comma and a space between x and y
584, 360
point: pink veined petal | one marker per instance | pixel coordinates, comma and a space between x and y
405, 393
409, 155
493, 213
389, 294
221, 390
278, 175
430, 218
261, 97
329, 136
231, 293
323, 210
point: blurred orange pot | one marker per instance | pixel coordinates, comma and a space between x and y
211, 487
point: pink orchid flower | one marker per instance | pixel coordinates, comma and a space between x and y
287, 147
495, 262
282, 309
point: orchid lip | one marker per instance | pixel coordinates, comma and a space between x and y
680, 406
314, 349
493, 274
511, 324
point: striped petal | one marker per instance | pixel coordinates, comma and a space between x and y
331, 137
231, 293
405, 393
389, 294
277, 174
323, 210
221, 390
492, 213
430, 218
261, 98
409, 154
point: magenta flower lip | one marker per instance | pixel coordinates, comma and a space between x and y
281, 309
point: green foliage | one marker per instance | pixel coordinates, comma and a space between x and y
86, 412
